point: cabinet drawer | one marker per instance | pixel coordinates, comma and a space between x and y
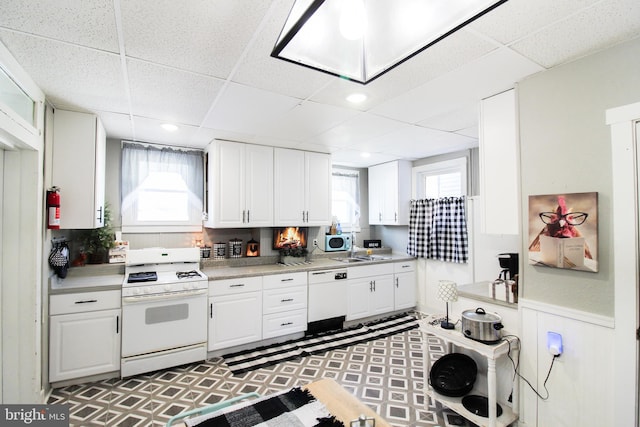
369, 270
285, 280
83, 302
283, 299
400, 267
234, 286
274, 325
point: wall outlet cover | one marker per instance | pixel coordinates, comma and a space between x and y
554, 343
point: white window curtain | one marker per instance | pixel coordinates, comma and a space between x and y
438, 229
346, 198
161, 188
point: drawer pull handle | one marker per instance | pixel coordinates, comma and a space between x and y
286, 300
86, 301
237, 285
287, 280
286, 324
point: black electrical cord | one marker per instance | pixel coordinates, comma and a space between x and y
517, 365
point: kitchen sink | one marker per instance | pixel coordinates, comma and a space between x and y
362, 258
348, 260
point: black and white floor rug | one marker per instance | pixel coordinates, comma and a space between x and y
248, 360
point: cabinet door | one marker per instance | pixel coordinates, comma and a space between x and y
235, 319
375, 195
381, 298
78, 168
289, 187
229, 184
83, 344
499, 164
318, 189
259, 185
405, 290
358, 298
389, 189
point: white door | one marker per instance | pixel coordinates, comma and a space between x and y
235, 319
229, 184
318, 189
382, 295
358, 298
405, 290
259, 185
289, 187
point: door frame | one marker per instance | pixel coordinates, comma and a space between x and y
626, 214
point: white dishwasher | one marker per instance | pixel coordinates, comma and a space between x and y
327, 308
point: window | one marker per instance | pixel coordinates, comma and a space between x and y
162, 188
346, 198
442, 179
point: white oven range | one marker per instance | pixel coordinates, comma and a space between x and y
164, 310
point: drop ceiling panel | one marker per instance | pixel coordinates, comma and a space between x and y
202, 36
151, 129
67, 74
169, 94
355, 159
515, 19
203, 136
247, 109
86, 23
601, 26
491, 74
307, 120
358, 129
416, 142
453, 121
117, 125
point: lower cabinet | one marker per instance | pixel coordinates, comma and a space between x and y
284, 306
84, 335
235, 312
370, 291
405, 286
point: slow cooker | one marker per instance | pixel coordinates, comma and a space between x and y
482, 326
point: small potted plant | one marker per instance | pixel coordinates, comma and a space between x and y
293, 254
96, 242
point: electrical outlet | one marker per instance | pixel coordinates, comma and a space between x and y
554, 343
315, 243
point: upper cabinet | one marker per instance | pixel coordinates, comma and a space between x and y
78, 168
389, 193
240, 185
499, 164
302, 188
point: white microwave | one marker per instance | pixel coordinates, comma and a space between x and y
337, 242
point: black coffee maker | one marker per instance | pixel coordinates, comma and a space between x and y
509, 264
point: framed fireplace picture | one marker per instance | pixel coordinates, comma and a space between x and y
563, 231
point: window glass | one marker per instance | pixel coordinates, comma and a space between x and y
16, 99
441, 179
346, 198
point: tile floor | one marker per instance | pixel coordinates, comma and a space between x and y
386, 374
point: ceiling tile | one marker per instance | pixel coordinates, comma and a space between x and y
117, 125
169, 94
246, 109
461, 88
204, 36
360, 128
453, 121
516, 19
308, 120
354, 158
86, 23
67, 74
152, 132
203, 136
415, 142
596, 28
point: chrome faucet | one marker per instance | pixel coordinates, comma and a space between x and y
353, 244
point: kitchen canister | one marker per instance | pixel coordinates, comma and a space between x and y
235, 248
219, 250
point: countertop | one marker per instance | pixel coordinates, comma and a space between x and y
110, 276
483, 291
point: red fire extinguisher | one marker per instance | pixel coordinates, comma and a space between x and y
53, 208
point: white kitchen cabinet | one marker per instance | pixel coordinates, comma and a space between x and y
235, 312
370, 290
390, 193
302, 188
499, 164
84, 335
284, 304
404, 285
240, 185
78, 168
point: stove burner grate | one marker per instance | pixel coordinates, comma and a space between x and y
144, 276
187, 274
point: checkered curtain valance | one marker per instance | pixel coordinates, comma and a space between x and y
438, 229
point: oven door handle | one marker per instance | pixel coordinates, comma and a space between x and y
163, 297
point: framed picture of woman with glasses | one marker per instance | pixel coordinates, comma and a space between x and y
563, 231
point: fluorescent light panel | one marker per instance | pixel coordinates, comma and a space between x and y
360, 40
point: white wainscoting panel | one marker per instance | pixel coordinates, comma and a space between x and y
581, 383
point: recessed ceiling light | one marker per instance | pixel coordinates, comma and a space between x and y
356, 98
169, 127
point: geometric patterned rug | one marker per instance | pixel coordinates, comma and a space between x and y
261, 357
